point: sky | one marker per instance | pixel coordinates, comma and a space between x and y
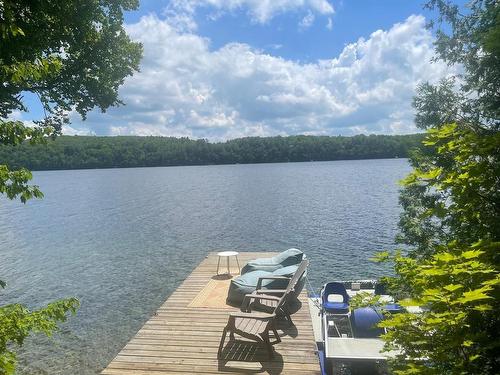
223, 69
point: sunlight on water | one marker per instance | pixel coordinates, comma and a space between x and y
122, 240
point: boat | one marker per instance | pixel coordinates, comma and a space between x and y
350, 337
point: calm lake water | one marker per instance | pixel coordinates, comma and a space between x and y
121, 240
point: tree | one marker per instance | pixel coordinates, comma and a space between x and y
453, 272
451, 207
73, 55
70, 152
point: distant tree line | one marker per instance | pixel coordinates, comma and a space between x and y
81, 152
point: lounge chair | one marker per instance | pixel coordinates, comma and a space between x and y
275, 300
247, 283
286, 258
256, 326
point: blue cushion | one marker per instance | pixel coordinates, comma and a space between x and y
251, 278
247, 283
336, 307
284, 259
289, 257
285, 271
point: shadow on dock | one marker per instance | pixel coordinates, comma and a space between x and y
244, 351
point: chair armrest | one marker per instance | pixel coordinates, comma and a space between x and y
259, 282
271, 291
264, 296
248, 298
275, 277
251, 315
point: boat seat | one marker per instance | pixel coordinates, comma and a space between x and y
334, 307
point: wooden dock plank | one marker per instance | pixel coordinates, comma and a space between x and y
184, 340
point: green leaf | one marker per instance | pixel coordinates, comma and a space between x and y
452, 287
410, 302
429, 141
445, 257
381, 256
483, 307
467, 343
472, 254
474, 295
430, 175
433, 272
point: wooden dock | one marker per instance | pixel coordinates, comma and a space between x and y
182, 339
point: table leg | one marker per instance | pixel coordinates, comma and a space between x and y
228, 270
218, 263
238, 263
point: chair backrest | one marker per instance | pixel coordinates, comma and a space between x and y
293, 282
335, 288
297, 275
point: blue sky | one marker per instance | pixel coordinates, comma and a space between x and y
221, 69
353, 19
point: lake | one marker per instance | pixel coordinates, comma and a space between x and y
121, 240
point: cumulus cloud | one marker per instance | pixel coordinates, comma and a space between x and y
181, 12
186, 89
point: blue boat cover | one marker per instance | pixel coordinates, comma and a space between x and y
364, 322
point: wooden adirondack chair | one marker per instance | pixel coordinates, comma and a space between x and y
251, 325
256, 326
275, 301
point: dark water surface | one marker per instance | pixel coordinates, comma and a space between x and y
121, 240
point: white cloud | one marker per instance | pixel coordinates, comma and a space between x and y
260, 11
275, 46
16, 115
307, 21
329, 24
69, 130
185, 89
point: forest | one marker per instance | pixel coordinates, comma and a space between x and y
84, 152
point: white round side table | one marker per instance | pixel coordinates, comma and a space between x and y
227, 255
